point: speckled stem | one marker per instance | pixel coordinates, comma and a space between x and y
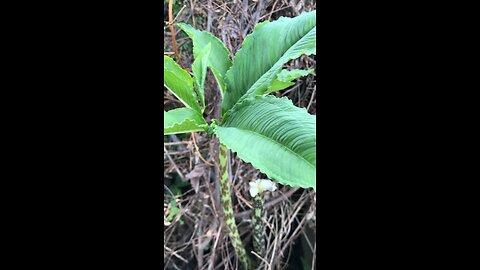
258, 227
226, 202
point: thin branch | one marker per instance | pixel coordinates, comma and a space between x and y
311, 99
198, 150
269, 204
172, 30
174, 165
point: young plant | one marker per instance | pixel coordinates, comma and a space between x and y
271, 133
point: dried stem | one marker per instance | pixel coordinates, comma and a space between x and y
172, 30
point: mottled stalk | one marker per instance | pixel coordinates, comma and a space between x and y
226, 201
258, 227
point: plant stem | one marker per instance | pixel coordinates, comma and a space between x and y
258, 228
226, 202
172, 30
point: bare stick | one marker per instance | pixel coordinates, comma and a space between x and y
172, 30
269, 204
173, 163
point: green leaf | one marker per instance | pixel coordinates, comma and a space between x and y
180, 83
264, 52
276, 137
199, 69
174, 210
218, 60
285, 77
183, 120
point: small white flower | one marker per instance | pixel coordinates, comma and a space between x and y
260, 186
253, 189
268, 185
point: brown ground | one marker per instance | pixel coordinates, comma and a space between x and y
193, 231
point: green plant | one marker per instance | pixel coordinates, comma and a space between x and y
174, 210
271, 133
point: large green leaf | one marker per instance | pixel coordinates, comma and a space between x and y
264, 52
285, 77
180, 83
218, 59
273, 135
182, 120
199, 69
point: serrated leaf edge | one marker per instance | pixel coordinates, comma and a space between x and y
202, 127
269, 175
